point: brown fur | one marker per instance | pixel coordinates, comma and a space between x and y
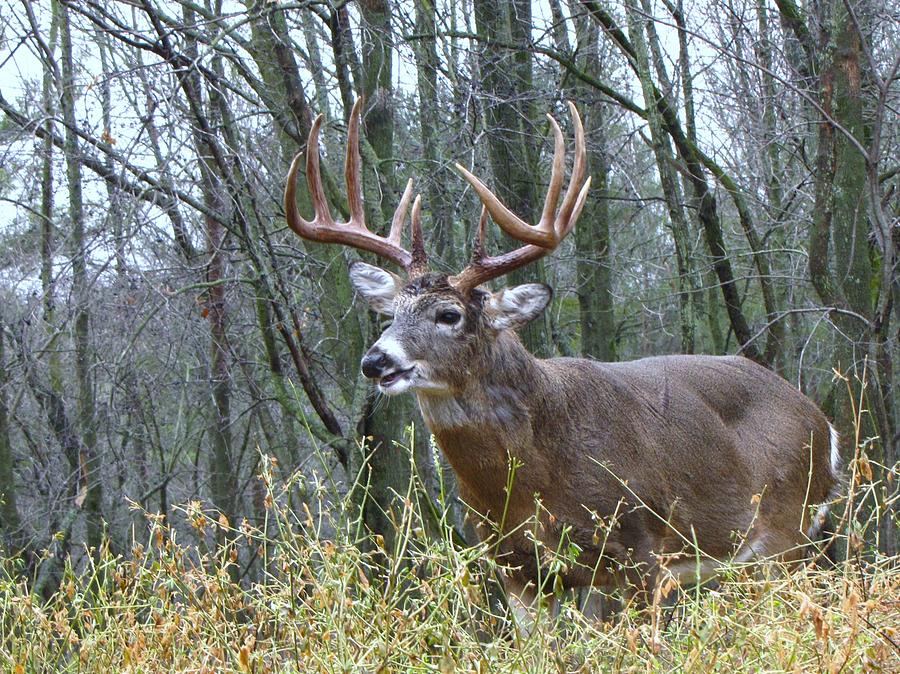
678, 448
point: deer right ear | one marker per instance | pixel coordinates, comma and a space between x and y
377, 286
511, 308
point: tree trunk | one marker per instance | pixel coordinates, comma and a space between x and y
506, 78
592, 240
705, 304
12, 536
840, 254
333, 293
90, 495
665, 163
439, 205
48, 246
131, 461
222, 479
705, 199
386, 470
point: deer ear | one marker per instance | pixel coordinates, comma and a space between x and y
377, 286
511, 308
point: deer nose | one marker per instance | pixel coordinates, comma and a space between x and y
375, 363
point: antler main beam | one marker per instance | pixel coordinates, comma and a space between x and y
324, 229
540, 239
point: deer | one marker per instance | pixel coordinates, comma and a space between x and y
666, 466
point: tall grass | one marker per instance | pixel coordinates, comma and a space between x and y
343, 603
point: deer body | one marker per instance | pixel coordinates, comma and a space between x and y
680, 462
673, 448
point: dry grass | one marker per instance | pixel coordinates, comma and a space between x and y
325, 605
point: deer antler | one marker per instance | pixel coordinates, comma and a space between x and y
323, 228
540, 239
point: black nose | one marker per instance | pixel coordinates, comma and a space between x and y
375, 363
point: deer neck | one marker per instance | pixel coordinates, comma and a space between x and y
494, 388
488, 419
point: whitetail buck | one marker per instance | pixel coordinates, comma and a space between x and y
675, 462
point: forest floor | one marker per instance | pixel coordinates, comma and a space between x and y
336, 605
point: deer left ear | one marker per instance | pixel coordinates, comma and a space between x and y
377, 286
511, 308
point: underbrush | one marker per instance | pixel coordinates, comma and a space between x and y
345, 604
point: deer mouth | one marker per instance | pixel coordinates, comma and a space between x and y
389, 380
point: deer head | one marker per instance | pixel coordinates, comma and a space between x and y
439, 321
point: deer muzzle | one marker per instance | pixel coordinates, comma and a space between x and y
376, 363
388, 363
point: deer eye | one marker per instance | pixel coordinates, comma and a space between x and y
448, 317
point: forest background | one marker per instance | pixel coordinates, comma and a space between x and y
164, 338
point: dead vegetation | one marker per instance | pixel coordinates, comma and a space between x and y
326, 605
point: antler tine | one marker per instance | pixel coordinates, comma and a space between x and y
478, 253
399, 219
567, 214
419, 257
479, 270
579, 204
291, 213
303, 227
352, 166
541, 239
509, 222
556, 178
314, 175
323, 228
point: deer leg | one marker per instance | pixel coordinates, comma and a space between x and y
526, 604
